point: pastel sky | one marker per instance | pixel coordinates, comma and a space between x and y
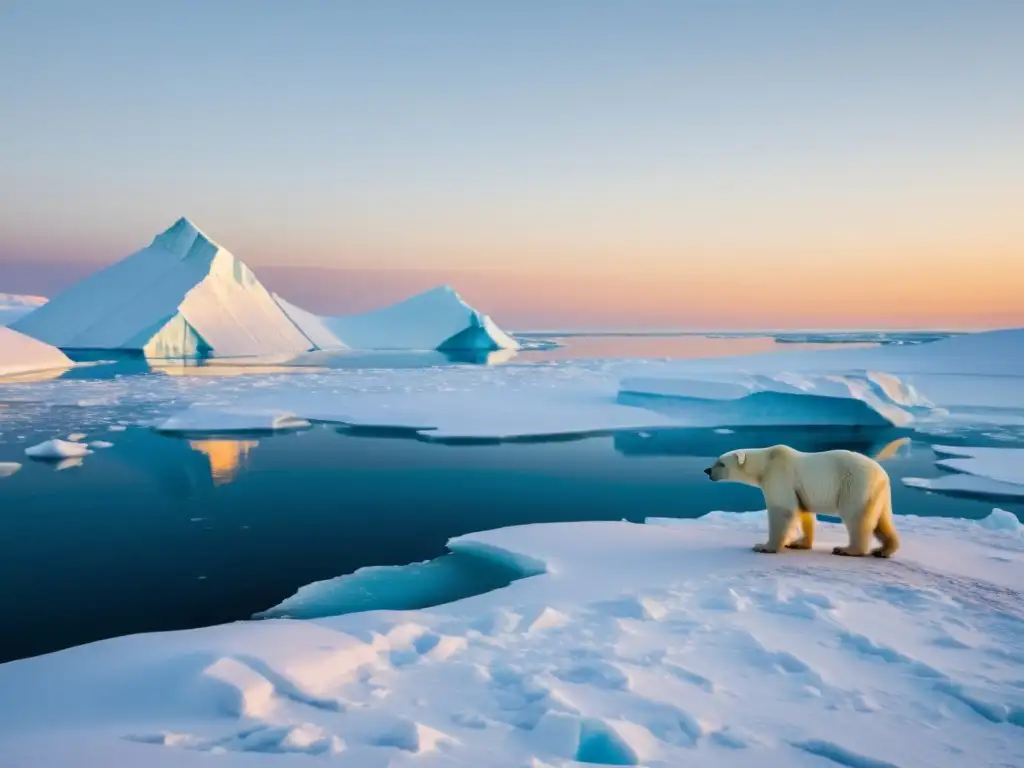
574, 162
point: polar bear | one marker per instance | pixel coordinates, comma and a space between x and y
799, 485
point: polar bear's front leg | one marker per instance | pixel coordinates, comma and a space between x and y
859, 527
780, 521
806, 541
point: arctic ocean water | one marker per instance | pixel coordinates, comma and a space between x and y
161, 533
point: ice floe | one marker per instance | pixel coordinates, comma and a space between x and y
57, 449
663, 644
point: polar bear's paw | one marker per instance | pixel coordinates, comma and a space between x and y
799, 544
765, 549
847, 552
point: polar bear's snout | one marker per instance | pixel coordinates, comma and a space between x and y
708, 472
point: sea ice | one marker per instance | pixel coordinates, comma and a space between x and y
201, 418
977, 471
8, 468
622, 651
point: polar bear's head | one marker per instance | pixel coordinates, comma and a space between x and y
738, 466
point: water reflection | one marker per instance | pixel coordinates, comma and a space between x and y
226, 457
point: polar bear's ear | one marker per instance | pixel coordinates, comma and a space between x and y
741, 457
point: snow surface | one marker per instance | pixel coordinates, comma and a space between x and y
178, 297
436, 319
21, 354
14, 305
57, 449
666, 644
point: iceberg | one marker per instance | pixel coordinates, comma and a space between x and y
21, 354
436, 319
182, 296
722, 400
14, 305
668, 643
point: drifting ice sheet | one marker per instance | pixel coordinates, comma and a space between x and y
785, 399
664, 644
986, 472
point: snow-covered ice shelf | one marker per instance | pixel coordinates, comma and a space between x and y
665, 644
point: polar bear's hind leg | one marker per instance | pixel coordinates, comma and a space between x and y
860, 525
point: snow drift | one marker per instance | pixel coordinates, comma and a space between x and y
181, 296
20, 354
436, 319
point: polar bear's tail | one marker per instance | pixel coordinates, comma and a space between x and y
885, 529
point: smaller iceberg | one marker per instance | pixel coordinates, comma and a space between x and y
436, 319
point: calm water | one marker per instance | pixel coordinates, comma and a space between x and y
163, 533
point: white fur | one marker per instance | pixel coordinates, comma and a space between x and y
798, 485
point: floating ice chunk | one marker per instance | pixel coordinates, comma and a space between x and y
116, 428
967, 485
71, 463
75, 437
218, 419
8, 468
57, 449
737, 399
100, 444
1004, 465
